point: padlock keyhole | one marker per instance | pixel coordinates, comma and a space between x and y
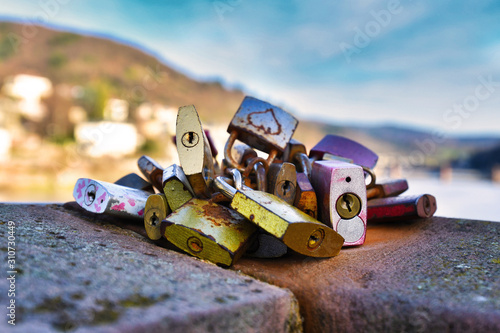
286, 187
154, 220
348, 203
190, 139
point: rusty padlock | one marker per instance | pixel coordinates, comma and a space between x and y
194, 151
401, 208
262, 126
107, 198
297, 230
341, 191
209, 231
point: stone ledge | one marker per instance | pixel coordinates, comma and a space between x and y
79, 272
429, 275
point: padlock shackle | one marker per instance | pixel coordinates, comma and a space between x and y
304, 163
237, 179
227, 152
224, 187
261, 171
373, 178
230, 159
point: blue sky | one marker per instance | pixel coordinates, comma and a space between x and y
419, 63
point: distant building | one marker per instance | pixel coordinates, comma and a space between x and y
29, 90
155, 120
105, 138
116, 110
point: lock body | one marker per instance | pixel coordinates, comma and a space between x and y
401, 208
209, 231
305, 196
176, 187
263, 126
156, 210
102, 197
282, 181
341, 192
194, 151
338, 146
297, 230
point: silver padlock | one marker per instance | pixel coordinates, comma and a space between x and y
262, 126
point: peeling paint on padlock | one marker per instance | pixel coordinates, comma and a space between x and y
107, 198
401, 208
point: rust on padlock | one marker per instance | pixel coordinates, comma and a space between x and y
401, 208
262, 126
152, 170
305, 197
209, 231
156, 210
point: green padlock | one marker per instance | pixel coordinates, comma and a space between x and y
209, 231
297, 230
176, 187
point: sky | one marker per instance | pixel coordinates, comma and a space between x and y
420, 63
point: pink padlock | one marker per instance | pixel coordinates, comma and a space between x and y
342, 204
106, 198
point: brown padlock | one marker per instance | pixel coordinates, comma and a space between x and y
282, 181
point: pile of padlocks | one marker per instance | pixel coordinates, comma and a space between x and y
290, 201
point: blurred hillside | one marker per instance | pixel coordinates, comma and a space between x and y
88, 80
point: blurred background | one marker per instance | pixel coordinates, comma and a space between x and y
86, 87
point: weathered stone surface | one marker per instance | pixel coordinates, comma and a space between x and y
78, 272
434, 275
